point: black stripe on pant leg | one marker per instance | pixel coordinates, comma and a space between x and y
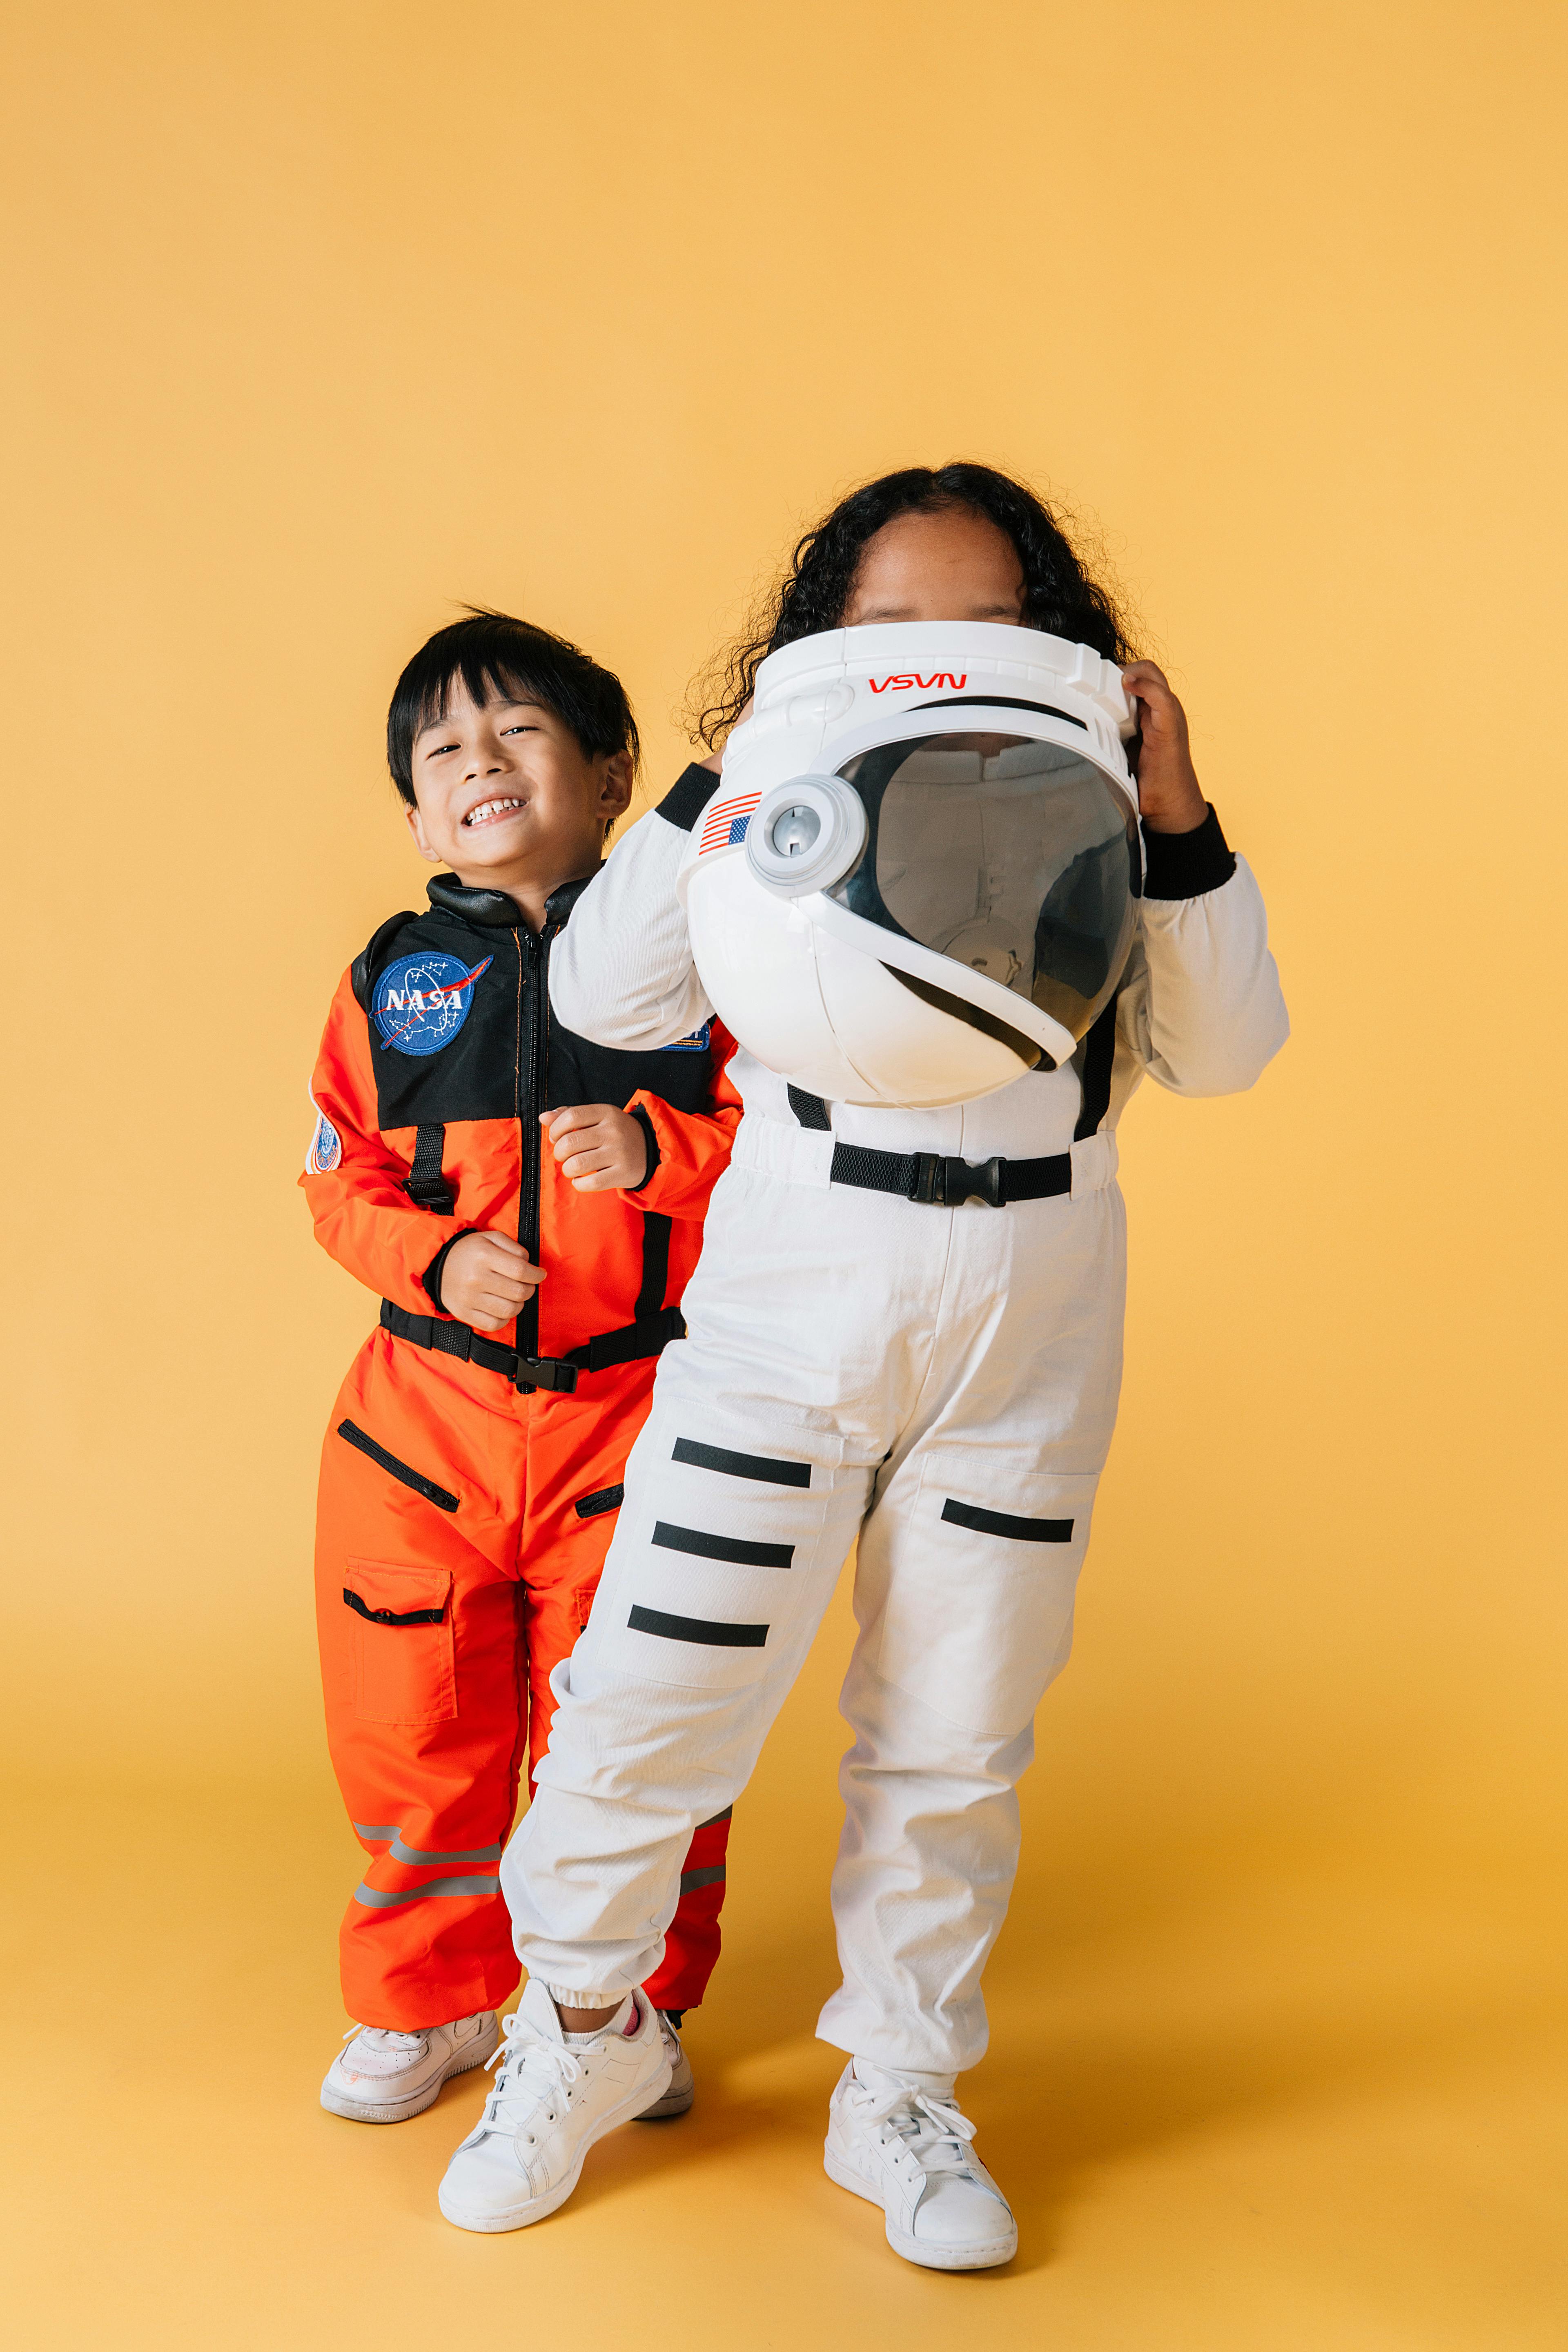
762, 1466
736, 1549
712, 1873
706, 1630
1002, 1523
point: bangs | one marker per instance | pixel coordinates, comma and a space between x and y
496, 657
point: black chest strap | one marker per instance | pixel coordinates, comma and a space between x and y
1098, 1051
425, 1184
810, 1109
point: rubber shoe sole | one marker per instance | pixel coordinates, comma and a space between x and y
985, 2256
402, 2110
677, 2101
540, 2208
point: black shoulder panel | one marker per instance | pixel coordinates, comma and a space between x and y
366, 964
688, 797
443, 1002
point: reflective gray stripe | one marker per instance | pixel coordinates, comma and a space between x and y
375, 1898
401, 1852
709, 1876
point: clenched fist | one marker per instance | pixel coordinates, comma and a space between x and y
600, 1149
487, 1279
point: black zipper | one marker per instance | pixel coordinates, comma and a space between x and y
537, 1012
402, 1470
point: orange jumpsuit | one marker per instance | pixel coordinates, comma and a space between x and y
469, 1481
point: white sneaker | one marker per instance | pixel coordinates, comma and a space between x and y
682, 2089
903, 2149
384, 2077
552, 2099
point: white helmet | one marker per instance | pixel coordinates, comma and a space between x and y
917, 878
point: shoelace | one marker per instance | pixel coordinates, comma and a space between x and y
385, 2037
935, 2132
382, 2050
533, 2072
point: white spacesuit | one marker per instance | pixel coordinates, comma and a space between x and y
918, 899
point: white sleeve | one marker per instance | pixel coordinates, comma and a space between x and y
621, 973
1201, 1008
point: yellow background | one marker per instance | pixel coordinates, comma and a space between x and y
330, 317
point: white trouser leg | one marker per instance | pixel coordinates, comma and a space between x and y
714, 1587
921, 1883
965, 1588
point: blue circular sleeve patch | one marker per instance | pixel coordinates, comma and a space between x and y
422, 1001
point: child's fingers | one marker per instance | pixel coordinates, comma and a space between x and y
503, 1299
575, 1115
580, 1144
507, 1245
586, 1160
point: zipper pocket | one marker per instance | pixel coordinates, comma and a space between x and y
608, 1498
397, 1469
392, 1616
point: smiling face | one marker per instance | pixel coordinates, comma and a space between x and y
953, 565
506, 796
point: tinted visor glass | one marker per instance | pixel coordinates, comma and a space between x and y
1014, 857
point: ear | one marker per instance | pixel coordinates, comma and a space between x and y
615, 780
416, 827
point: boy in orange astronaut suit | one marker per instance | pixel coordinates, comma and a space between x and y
529, 1238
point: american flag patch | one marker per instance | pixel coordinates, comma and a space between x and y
727, 824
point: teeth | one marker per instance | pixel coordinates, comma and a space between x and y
490, 808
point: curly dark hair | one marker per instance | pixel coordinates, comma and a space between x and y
1058, 595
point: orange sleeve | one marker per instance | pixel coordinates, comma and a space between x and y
353, 1180
693, 1145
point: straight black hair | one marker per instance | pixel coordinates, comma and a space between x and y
1059, 595
493, 654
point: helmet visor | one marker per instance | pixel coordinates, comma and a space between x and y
1019, 860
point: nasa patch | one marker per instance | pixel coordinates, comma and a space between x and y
696, 1044
326, 1146
422, 1001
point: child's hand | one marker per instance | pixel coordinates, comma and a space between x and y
487, 1279
1168, 793
600, 1149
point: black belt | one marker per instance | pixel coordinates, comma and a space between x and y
948, 1183
648, 1337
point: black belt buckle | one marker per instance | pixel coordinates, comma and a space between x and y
950, 1183
546, 1373
966, 1180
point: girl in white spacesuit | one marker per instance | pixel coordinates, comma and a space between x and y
906, 1327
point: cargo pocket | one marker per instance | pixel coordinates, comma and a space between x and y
405, 1669
967, 1593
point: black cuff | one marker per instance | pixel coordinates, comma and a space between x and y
430, 1280
652, 1132
1186, 864
688, 797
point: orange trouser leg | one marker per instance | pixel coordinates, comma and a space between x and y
577, 1451
421, 1634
